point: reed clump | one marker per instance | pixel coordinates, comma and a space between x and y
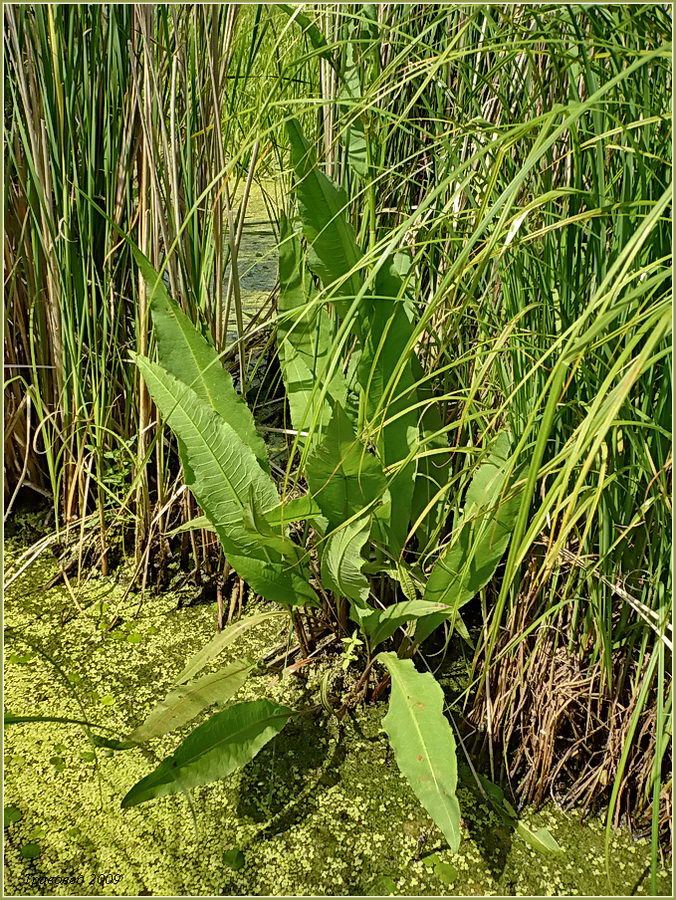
518, 161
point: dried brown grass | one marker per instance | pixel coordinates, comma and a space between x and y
559, 725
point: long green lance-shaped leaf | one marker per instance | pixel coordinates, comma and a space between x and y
385, 374
470, 561
221, 468
190, 358
423, 743
334, 254
219, 642
186, 701
223, 473
294, 510
304, 342
349, 98
343, 476
540, 839
490, 476
225, 742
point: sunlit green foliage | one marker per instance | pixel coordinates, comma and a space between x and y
481, 255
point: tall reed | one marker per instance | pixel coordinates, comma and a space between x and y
521, 156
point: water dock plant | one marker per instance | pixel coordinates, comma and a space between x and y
450, 423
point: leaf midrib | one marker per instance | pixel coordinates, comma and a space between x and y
407, 706
229, 738
218, 422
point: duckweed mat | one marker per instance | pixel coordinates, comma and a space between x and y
322, 810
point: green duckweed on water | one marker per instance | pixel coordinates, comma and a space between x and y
322, 810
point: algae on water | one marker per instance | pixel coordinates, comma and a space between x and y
320, 811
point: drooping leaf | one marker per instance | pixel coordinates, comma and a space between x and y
380, 624
334, 254
276, 581
222, 472
423, 743
343, 476
316, 37
225, 742
186, 701
219, 642
342, 560
220, 467
191, 359
461, 628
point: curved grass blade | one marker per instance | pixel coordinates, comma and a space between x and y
304, 342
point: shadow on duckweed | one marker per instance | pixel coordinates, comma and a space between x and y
322, 810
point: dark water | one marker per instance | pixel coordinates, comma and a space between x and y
257, 260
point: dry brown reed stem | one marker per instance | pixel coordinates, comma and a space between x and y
559, 729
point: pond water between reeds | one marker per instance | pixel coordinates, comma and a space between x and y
322, 810
257, 256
